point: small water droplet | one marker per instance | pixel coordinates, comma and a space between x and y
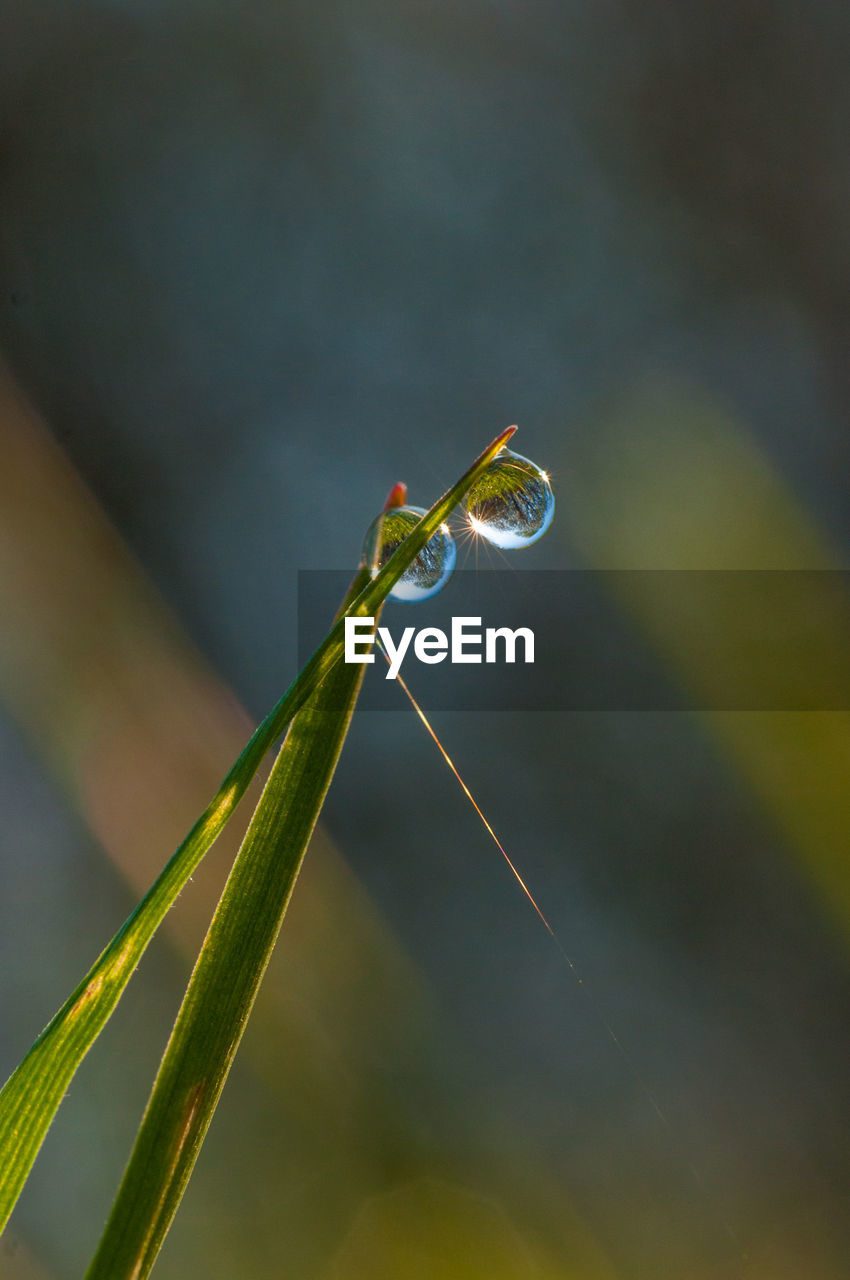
431, 569
512, 504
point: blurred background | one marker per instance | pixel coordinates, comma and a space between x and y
257, 263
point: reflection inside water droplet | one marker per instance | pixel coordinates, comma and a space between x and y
431, 569
512, 504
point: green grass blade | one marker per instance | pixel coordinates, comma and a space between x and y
225, 981
32, 1094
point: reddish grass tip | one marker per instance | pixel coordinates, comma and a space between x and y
397, 496
505, 436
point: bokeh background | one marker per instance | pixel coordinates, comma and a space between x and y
258, 262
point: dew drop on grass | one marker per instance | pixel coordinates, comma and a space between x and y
512, 504
431, 569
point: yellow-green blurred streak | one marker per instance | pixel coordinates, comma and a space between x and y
430, 1228
139, 732
665, 479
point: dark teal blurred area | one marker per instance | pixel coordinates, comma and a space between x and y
257, 263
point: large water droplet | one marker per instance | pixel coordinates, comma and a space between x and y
431, 569
512, 504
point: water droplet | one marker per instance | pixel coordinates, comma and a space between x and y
512, 504
431, 569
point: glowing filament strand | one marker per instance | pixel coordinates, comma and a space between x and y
699, 1182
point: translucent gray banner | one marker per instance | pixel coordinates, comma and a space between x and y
619, 640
